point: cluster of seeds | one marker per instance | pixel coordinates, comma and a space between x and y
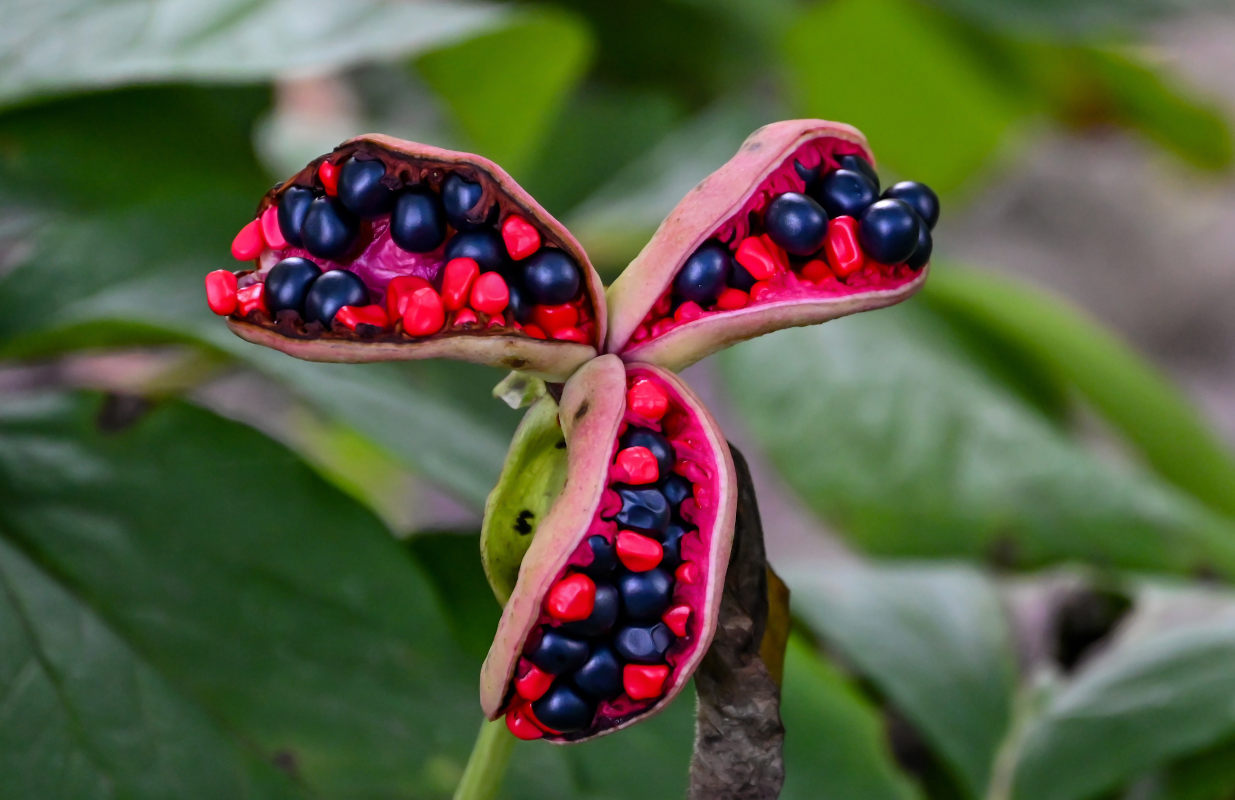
619, 615
836, 227
476, 267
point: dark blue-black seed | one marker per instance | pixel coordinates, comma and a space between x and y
920, 197
604, 614
671, 547
657, 443
888, 231
643, 510
921, 253
562, 709
675, 488
604, 557
558, 653
704, 275
645, 595
418, 224
740, 277
858, 164
288, 283
846, 193
329, 229
550, 277
483, 246
293, 206
809, 175
518, 306
643, 644
460, 198
796, 223
332, 291
361, 188
601, 677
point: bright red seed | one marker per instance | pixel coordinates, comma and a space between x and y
520, 724
221, 292
760, 290
676, 619
521, 237
490, 294
251, 298
249, 243
271, 232
688, 311
457, 278
647, 399
637, 465
572, 598
399, 291
354, 316
841, 245
732, 299
570, 335
760, 261
464, 317
534, 331
329, 175
638, 552
816, 270
534, 683
555, 318
644, 681
687, 573
424, 315
496, 321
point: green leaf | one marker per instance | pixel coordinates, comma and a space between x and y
935, 642
1067, 18
1131, 710
268, 601
834, 743
908, 78
66, 45
452, 562
883, 426
1128, 392
505, 87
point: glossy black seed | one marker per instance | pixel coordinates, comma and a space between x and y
288, 283
518, 306
645, 595
418, 223
332, 291
672, 545
460, 198
558, 653
643, 644
675, 488
739, 277
601, 677
550, 277
920, 197
293, 206
846, 193
562, 709
888, 231
921, 253
858, 164
329, 229
604, 557
656, 442
704, 275
643, 509
808, 174
796, 223
604, 614
483, 246
361, 189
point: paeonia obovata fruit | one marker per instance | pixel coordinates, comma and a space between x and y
608, 535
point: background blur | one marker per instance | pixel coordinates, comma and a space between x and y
1006, 509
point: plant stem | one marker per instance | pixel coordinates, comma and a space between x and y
482, 777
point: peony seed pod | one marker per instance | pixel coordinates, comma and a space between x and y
433, 253
618, 595
790, 231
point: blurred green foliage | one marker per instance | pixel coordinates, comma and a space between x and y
192, 609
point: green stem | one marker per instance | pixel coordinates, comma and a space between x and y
482, 776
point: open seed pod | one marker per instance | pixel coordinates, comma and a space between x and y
791, 231
389, 250
618, 595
